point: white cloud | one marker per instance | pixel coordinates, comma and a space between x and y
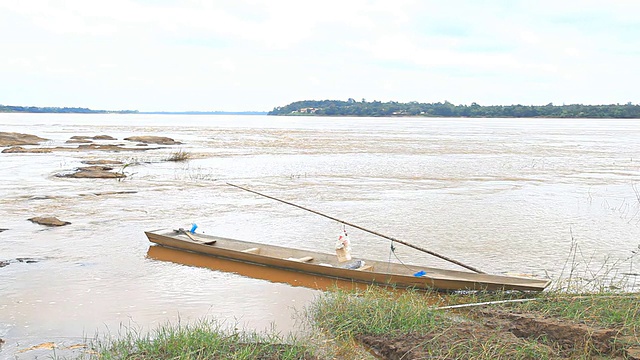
208, 55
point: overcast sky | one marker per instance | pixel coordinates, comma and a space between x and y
254, 55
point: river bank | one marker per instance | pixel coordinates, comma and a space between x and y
375, 323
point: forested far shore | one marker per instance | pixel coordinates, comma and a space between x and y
352, 107
61, 110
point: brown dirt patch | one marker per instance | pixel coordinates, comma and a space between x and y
516, 335
567, 334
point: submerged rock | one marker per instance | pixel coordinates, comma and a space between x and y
103, 137
102, 162
78, 141
48, 221
110, 193
4, 263
20, 149
41, 197
81, 147
101, 147
160, 140
87, 139
13, 139
94, 172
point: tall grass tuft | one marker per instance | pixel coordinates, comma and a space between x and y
372, 311
179, 155
585, 274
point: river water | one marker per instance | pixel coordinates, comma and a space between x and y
502, 195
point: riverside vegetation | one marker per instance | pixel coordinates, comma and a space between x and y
405, 324
352, 107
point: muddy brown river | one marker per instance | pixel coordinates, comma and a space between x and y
508, 196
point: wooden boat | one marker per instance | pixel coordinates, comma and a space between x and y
327, 265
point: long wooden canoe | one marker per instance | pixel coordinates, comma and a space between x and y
327, 265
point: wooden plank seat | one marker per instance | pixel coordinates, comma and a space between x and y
302, 259
254, 250
366, 268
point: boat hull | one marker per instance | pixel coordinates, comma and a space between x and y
326, 265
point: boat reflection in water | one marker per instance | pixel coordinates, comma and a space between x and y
250, 270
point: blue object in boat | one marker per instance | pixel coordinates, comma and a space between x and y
420, 273
193, 228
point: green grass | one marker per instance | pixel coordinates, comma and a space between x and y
398, 316
179, 155
374, 311
392, 317
601, 309
406, 321
205, 339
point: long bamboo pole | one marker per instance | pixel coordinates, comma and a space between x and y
366, 230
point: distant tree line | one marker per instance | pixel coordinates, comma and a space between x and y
62, 110
352, 107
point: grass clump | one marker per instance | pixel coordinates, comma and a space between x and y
406, 325
179, 155
496, 325
373, 311
205, 339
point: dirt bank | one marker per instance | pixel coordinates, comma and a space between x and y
548, 337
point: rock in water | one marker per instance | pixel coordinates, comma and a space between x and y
12, 139
49, 221
20, 149
161, 140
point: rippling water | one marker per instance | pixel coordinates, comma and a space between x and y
503, 195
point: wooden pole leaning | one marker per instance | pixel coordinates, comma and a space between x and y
366, 230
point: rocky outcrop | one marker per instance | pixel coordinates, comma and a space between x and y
14, 139
160, 140
82, 147
84, 139
103, 137
94, 172
78, 141
20, 149
48, 221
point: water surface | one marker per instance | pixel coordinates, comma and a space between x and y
503, 195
